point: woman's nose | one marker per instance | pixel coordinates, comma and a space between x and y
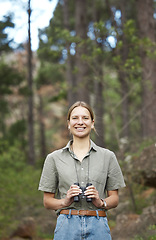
80, 121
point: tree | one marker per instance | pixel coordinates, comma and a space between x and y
99, 76
82, 82
146, 26
69, 65
31, 149
123, 78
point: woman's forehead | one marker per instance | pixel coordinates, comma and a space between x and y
80, 111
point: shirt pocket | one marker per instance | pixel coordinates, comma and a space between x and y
98, 177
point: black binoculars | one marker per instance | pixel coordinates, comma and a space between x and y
81, 195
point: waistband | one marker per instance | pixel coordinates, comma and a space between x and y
83, 212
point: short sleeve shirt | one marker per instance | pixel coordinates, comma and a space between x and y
62, 169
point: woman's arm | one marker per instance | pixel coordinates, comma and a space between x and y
50, 202
112, 199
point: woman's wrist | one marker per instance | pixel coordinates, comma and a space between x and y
103, 204
63, 203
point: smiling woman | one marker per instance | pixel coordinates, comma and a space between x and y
42, 12
81, 181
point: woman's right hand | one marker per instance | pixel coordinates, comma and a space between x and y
73, 191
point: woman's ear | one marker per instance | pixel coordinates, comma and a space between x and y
92, 127
68, 125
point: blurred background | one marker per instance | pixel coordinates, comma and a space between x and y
53, 53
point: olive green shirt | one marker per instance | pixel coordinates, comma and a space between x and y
62, 169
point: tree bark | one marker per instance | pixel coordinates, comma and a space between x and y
99, 109
98, 89
82, 83
146, 25
42, 129
31, 150
71, 93
123, 75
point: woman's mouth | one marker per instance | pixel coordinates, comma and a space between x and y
80, 128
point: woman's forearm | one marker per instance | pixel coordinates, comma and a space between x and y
52, 203
112, 200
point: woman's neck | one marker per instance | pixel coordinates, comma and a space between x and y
81, 147
81, 144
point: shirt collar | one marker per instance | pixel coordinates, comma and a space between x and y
92, 145
67, 147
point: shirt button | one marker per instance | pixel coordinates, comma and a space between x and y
82, 182
82, 168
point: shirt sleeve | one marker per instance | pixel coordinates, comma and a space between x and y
115, 178
49, 179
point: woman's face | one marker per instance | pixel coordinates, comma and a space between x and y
80, 123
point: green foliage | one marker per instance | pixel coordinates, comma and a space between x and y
61, 95
4, 41
16, 132
100, 29
49, 74
140, 146
24, 91
112, 223
3, 146
18, 185
49, 54
10, 77
132, 64
138, 238
152, 237
152, 227
148, 46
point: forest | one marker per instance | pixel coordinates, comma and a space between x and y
102, 52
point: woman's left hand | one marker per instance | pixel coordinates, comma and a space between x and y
91, 192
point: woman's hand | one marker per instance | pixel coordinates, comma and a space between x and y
73, 191
50, 202
91, 192
112, 199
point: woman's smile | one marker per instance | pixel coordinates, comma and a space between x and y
80, 128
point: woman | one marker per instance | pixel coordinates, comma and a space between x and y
81, 181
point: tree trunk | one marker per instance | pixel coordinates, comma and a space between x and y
123, 77
71, 94
31, 150
125, 104
42, 129
99, 109
121, 73
146, 24
82, 84
98, 88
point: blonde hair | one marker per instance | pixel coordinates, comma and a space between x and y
80, 104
